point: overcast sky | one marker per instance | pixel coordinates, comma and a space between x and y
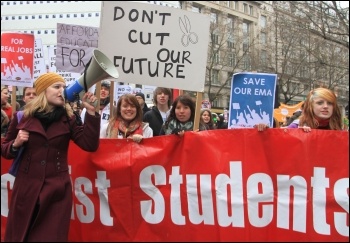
344, 4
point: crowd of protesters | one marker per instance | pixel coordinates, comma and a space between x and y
50, 120
319, 111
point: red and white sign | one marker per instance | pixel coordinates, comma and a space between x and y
276, 185
17, 59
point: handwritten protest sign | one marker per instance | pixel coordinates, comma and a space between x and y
17, 58
155, 45
75, 44
39, 60
252, 99
69, 77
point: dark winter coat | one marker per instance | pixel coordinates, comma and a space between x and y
145, 109
154, 119
43, 183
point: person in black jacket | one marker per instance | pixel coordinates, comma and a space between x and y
141, 99
162, 99
221, 123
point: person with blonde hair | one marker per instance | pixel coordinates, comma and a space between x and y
126, 121
321, 111
41, 201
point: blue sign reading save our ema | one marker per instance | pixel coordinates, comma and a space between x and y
252, 99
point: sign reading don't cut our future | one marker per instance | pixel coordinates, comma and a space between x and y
155, 45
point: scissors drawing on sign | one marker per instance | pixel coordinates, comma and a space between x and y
188, 36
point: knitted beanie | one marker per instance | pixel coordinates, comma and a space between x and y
106, 84
45, 80
141, 95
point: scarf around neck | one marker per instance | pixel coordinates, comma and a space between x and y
173, 124
322, 123
119, 126
48, 118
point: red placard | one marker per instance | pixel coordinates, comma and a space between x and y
17, 59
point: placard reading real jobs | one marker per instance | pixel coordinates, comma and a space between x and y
155, 45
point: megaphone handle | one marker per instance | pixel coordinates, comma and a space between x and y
86, 67
77, 98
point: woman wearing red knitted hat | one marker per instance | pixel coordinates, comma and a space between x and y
41, 201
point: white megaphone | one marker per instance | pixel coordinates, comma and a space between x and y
100, 68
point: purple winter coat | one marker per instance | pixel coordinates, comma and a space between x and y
294, 124
43, 182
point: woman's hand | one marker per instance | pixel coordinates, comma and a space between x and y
137, 138
261, 127
89, 102
21, 138
181, 133
306, 128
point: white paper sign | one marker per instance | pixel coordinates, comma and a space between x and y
70, 77
39, 60
155, 45
75, 45
119, 90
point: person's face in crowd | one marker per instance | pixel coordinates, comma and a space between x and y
127, 111
104, 92
162, 99
322, 108
54, 94
206, 117
182, 112
140, 100
4, 96
29, 95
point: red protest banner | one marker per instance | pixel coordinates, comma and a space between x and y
218, 185
17, 59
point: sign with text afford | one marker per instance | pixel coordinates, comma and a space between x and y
155, 45
243, 185
75, 45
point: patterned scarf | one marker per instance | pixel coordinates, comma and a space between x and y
119, 127
173, 124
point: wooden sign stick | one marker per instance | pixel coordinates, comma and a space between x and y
111, 99
14, 99
198, 110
